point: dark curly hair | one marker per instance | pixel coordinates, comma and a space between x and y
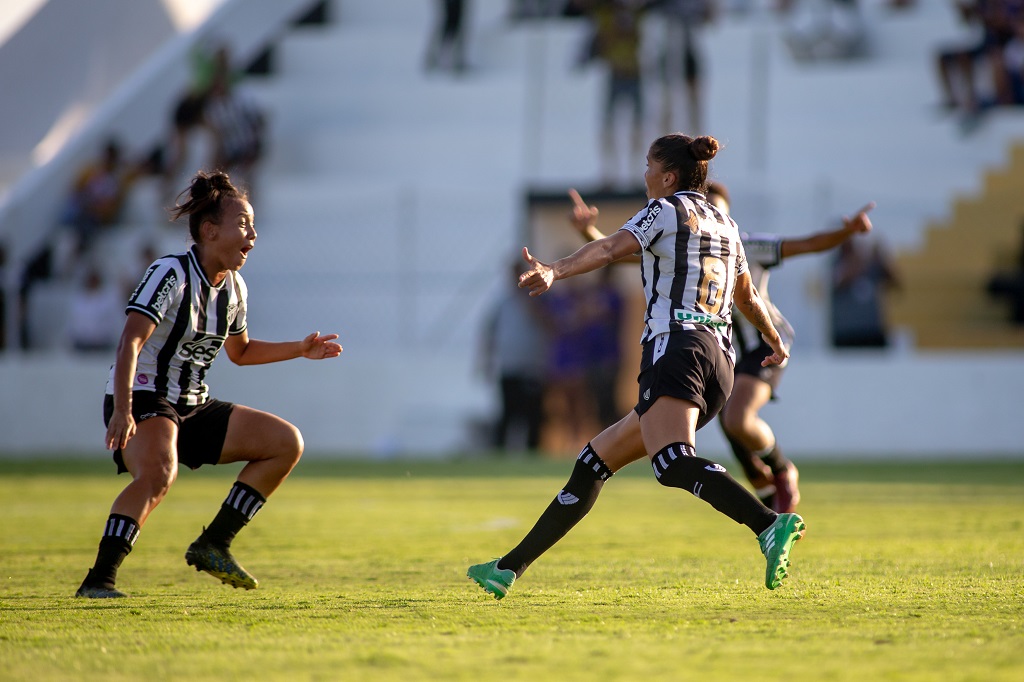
686, 156
205, 199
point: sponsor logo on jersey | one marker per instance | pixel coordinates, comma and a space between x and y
652, 215
170, 281
689, 317
200, 350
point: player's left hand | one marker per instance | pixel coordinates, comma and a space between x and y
780, 354
583, 217
316, 347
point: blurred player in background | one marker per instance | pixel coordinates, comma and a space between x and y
157, 407
694, 271
753, 442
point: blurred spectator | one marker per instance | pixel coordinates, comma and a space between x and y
824, 29
679, 62
602, 307
448, 42
1009, 285
39, 268
861, 275
571, 402
514, 351
96, 314
237, 125
187, 117
992, 26
98, 194
616, 43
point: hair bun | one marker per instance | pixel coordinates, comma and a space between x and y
704, 147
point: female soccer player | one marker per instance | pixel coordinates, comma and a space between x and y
694, 270
157, 407
773, 476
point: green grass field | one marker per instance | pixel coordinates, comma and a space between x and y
907, 572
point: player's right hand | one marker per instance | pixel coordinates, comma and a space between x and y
538, 278
120, 430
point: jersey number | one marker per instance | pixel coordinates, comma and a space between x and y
711, 287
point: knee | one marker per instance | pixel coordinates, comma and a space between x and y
290, 445
157, 482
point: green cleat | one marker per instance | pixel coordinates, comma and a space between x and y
497, 581
776, 543
218, 562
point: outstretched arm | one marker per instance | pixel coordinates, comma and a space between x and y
749, 302
584, 220
539, 277
823, 241
245, 351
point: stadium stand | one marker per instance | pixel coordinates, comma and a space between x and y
390, 197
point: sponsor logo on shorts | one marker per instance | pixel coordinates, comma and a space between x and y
144, 417
647, 394
715, 467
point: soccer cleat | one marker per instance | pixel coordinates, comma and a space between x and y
497, 581
95, 588
218, 562
787, 495
776, 543
99, 592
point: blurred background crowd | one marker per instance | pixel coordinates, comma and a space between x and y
619, 71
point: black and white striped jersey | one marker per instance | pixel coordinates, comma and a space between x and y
193, 319
764, 252
692, 256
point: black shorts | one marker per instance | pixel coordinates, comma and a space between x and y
688, 365
750, 364
201, 428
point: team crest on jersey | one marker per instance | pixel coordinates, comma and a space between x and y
232, 312
652, 215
